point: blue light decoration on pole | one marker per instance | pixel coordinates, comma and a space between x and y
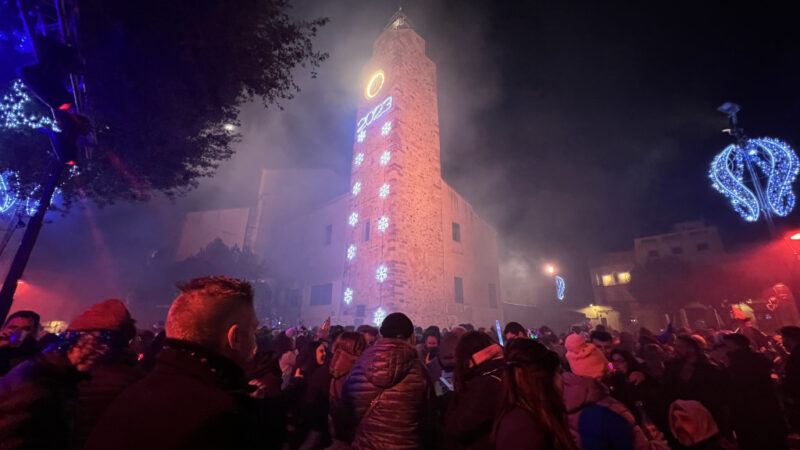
561, 287
755, 174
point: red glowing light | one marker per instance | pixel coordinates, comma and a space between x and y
795, 237
65, 107
70, 163
20, 282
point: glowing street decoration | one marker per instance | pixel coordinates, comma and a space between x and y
737, 173
359, 159
375, 84
351, 252
383, 224
373, 115
378, 317
12, 110
382, 273
356, 188
361, 136
353, 220
384, 190
561, 286
348, 296
385, 157
386, 128
7, 198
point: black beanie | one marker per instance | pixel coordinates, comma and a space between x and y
397, 325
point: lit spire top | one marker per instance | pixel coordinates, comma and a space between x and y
399, 21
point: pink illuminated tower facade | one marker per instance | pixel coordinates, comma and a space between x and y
412, 243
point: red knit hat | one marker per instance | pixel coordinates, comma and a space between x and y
109, 314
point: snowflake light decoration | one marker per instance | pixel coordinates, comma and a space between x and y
382, 273
384, 190
7, 197
351, 251
359, 159
353, 220
356, 188
361, 136
383, 224
385, 157
378, 317
737, 173
386, 128
561, 286
348, 296
12, 110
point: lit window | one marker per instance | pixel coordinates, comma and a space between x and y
348, 296
385, 157
359, 159
351, 251
386, 128
384, 190
357, 188
382, 273
624, 277
608, 280
362, 135
383, 224
353, 220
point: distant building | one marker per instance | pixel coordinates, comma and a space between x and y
399, 238
692, 242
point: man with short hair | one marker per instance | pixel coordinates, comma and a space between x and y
603, 341
386, 399
18, 339
514, 330
197, 394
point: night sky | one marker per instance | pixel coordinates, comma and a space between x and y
573, 127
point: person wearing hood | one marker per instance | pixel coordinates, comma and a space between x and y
51, 400
346, 350
477, 381
596, 420
386, 399
693, 426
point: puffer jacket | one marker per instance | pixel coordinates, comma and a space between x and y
597, 420
385, 400
471, 412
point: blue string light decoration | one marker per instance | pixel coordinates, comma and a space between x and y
13, 112
738, 174
7, 197
561, 287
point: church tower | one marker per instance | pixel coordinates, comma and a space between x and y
395, 256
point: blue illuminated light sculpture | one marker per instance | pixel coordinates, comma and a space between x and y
561, 287
13, 112
755, 174
7, 197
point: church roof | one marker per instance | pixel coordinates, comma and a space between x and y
399, 21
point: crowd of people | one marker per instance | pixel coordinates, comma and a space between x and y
212, 379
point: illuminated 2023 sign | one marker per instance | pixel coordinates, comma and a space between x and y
373, 115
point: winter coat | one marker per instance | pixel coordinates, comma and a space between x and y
37, 403
649, 392
519, 430
341, 364
791, 388
709, 384
755, 412
470, 414
107, 379
193, 399
386, 399
598, 421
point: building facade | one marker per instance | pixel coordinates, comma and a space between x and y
400, 238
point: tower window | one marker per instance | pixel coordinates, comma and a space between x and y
328, 234
366, 230
459, 288
321, 294
703, 246
456, 232
653, 254
492, 295
677, 251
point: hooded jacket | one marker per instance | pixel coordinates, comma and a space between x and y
385, 399
598, 421
471, 412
